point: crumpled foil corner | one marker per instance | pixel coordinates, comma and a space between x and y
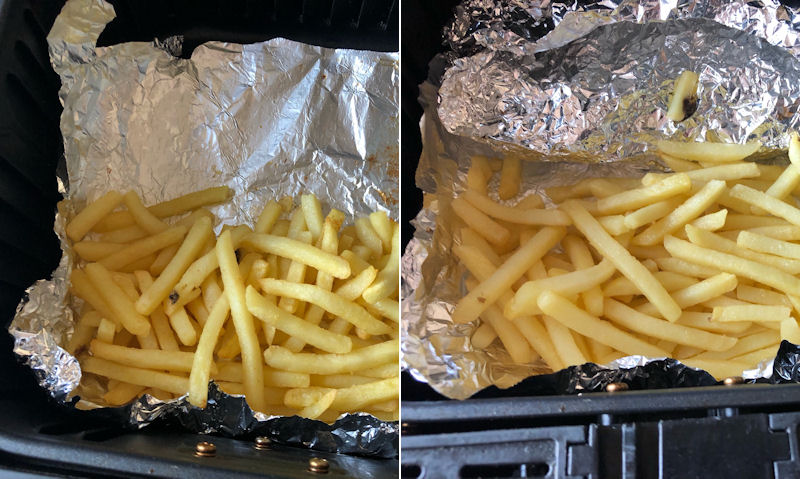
267, 119
578, 89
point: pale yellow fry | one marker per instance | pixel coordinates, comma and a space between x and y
302, 397
388, 279
122, 393
622, 286
707, 151
470, 238
483, 336
768, 203
106, 331
269, 215
294, 326
356, 397
82, 287
629, 266
724, 172
386, 370
744, 345
144, 218
680, 266
614, 224
298, 251
685, 92
688, 211
494, 233
658, 328
383, 227
525, 300
232, 371
295, 274
315, 410
697, 293
355, 286
198, 311
648, 214
784, 232
584, 323
564, 342
312, 363
158, 320
703, 321
602, 187
765, 244
92, 214
755, 357
714, 241
388, 308
124, 235
476, 179
175, 206
516, 215
751, 312
242, 321
96, 250
179, 361
483, 296
312, 211
508, 333
790, 331
510, 177
202, 267
182, 325
368, 237
712, 221
165, 283
163, 259
201, 369
116, 299
718, 368
142, 377
143, 247
327, 300
677, 164
211, 291
629, 200
786, 183
741, 222
756, 295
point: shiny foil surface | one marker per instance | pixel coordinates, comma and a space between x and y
580, 89
267, 119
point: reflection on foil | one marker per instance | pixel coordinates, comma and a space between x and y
267, 119
581, 85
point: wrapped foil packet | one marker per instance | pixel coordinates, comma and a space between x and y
583, 87
267, 119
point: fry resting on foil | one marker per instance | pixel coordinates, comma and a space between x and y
298, 313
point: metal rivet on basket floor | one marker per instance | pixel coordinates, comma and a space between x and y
262, 443
205, 449
733, 380
615, 387
318, 465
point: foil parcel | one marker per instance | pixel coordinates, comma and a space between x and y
267, 119
581, 89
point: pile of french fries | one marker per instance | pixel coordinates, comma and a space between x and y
700, 265
299, 313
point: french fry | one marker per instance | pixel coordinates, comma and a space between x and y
623, 260
383, 227
298, 251
578, 320
523, 216
359, 396
178, 361
119, 303
143, 247
386, 283
683, 97
143, 377
315, 410
312, 212
628, 200
564, 342
494, 233
368, 237
141, 216
765, 244
510, 178
697, 293
766, 202
122, 393
83, 222
751, 312
95, 250
330, 302
508, 333
710, 152
312, 363
744, 345
202, 362
712, 221
242, 321
164, 284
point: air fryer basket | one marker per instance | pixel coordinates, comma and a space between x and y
36, 434
739, 430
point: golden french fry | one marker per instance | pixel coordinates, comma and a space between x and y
564, 342
697, 293
517, 215
312, 363
312, 212
629, 200
83, 222
765, 244
383, 227
712, 221
143, 377
578, 320
766, 202
718, 368
315, 410
368, 237
178, 361
116, 299
327, 300
386, 283
684, 97
494, 233
483, 336
652, 212
203, 357
751, 312
510, 178
744, 345
122, 393
622, 260
242, 321
96, 250
299, 251
143, 247
144, 218
361, 395
703, 321
707, 151
165, 283
508, 333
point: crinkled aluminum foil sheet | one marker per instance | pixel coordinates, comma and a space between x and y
584, 88
267, 119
